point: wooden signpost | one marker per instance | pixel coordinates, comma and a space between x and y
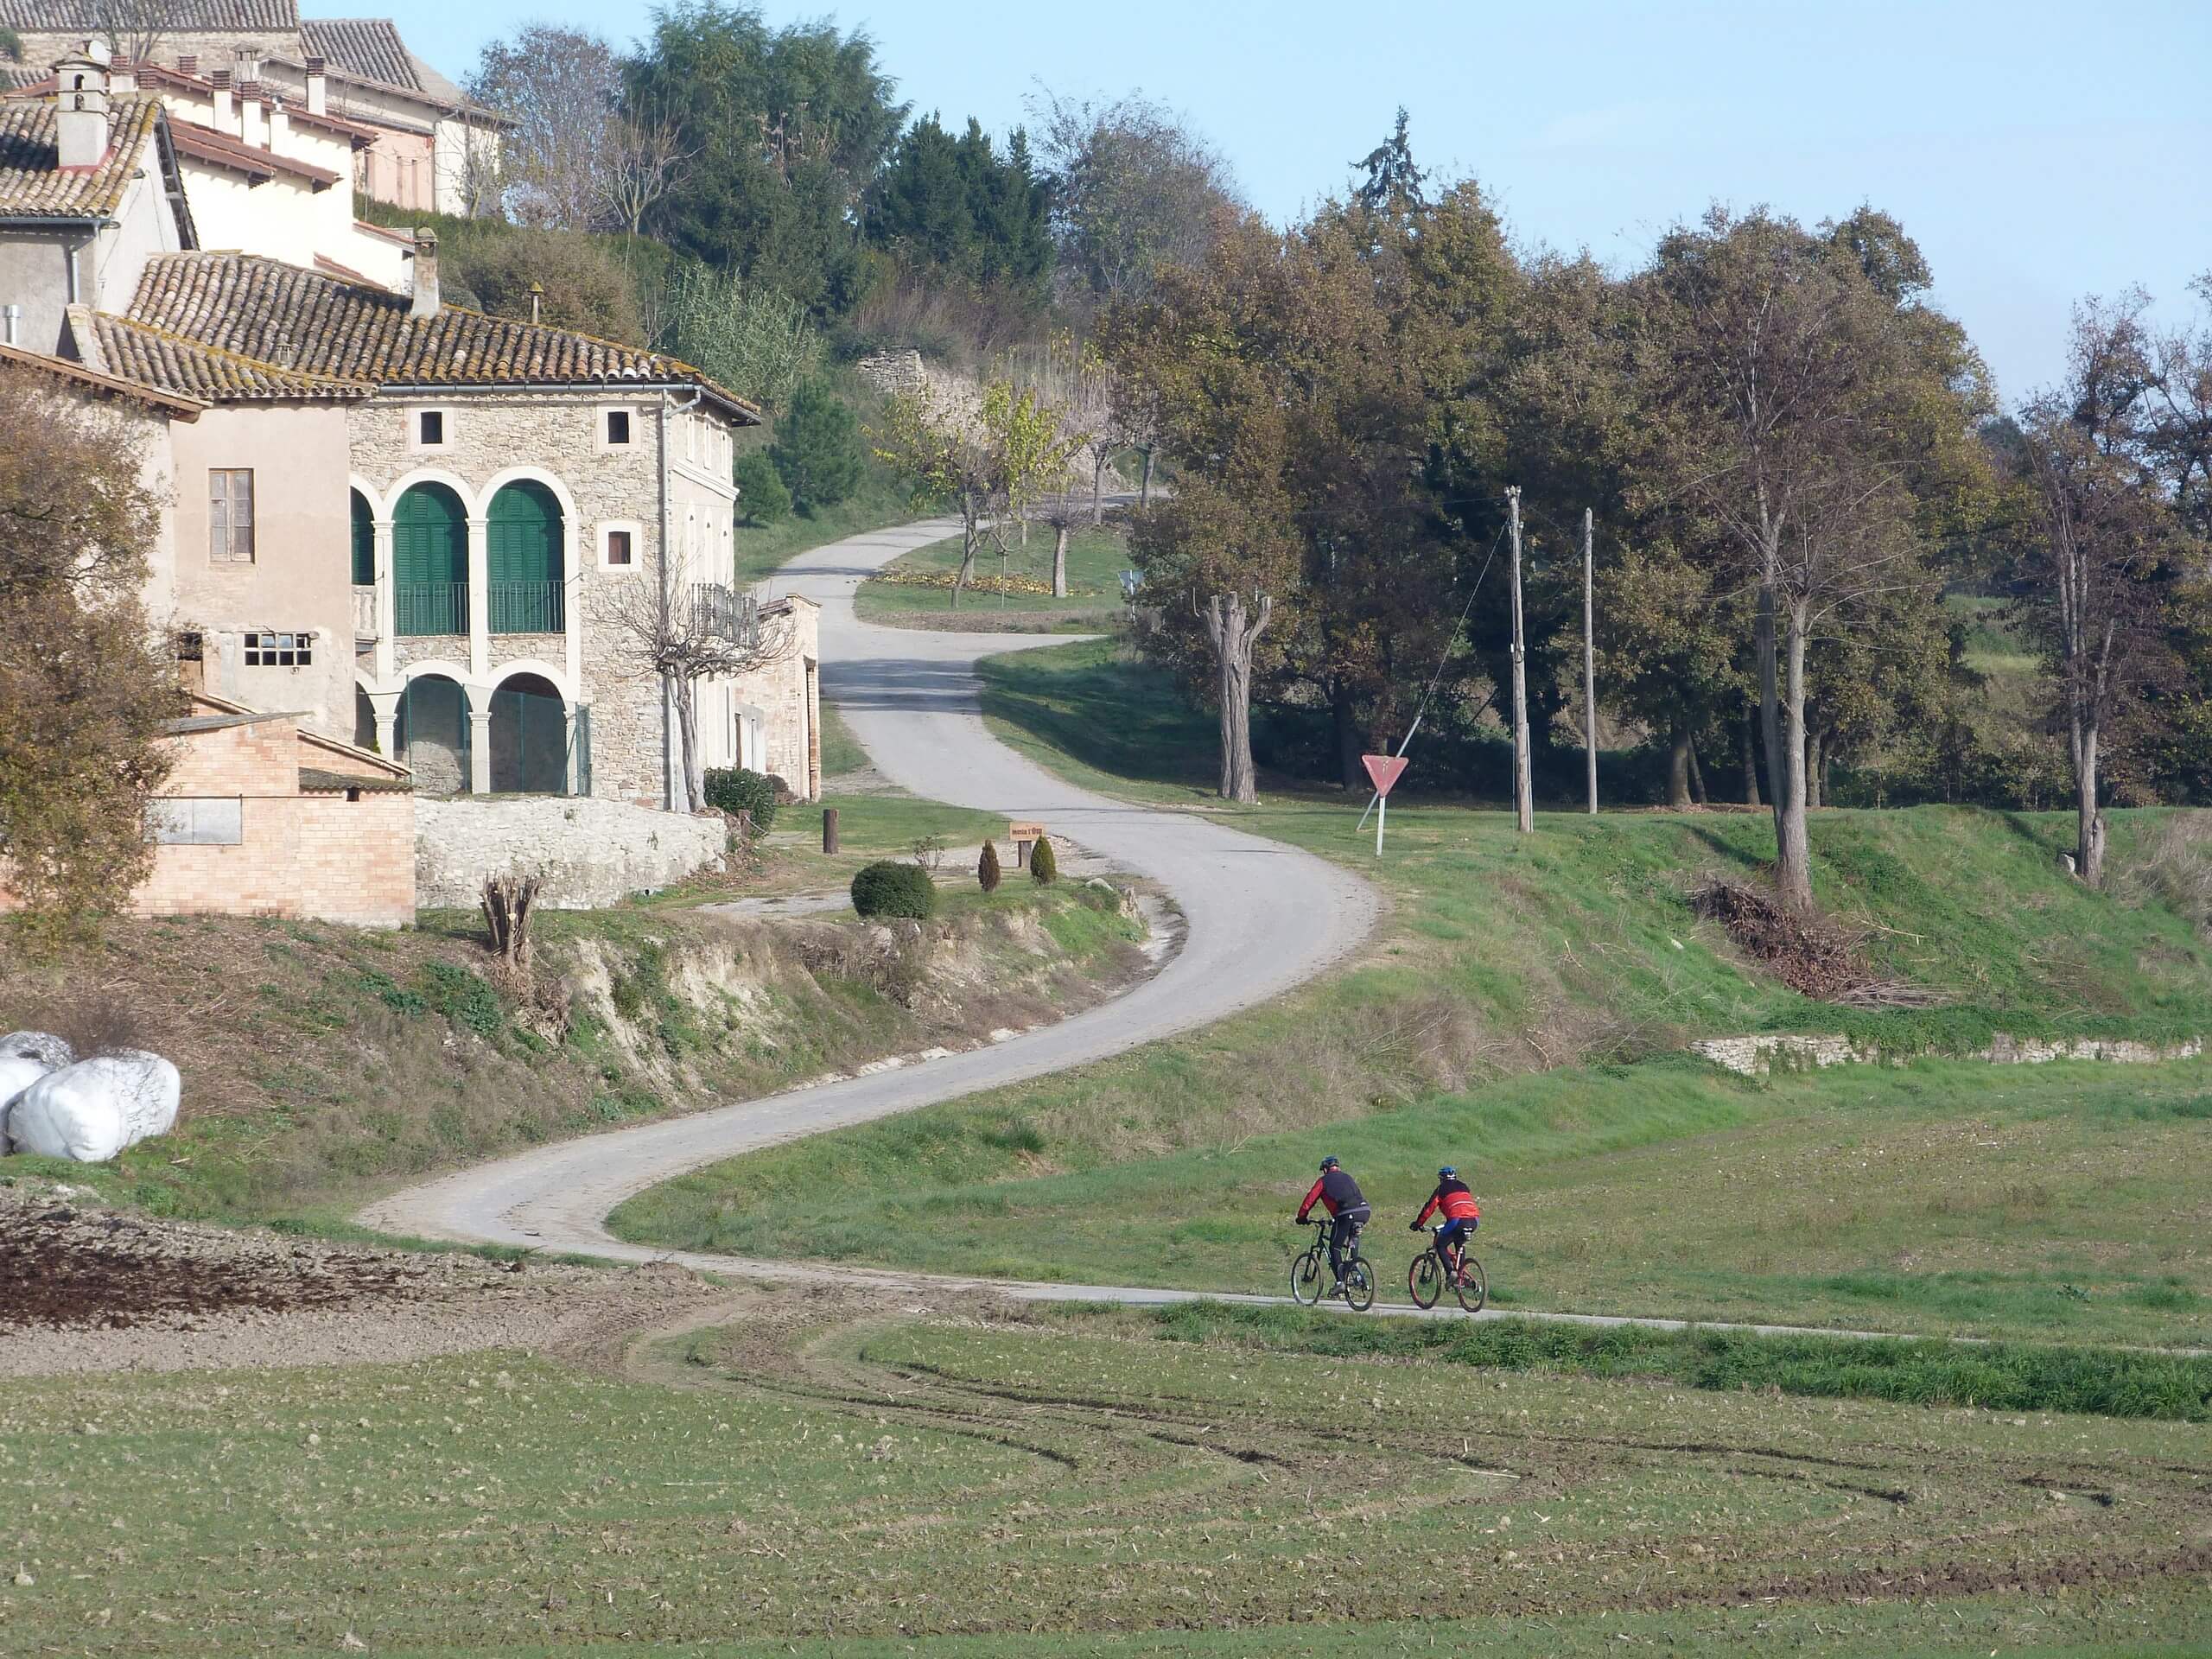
1024, 836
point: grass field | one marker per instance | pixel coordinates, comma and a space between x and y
966, 1488
1516, 1016
1096, 558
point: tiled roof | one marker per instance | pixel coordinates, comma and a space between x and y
32, 183
178, 17
367, 49
92, 379
155, 76
265, 310
219, 149
314, 780
187, 368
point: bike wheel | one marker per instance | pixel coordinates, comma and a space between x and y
1359, 1286
1474, 1287
1305, 1282
1425, 1280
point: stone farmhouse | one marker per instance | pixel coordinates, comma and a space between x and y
429, 146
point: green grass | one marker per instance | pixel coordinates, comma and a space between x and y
883, 499
840, 751
956, 1489
1096, 558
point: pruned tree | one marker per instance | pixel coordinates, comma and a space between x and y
559, 87
683, 634
134, 27
86, 682
2098, 592
646, 158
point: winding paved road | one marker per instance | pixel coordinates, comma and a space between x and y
1261, 917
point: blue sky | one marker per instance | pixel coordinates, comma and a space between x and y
2038, 151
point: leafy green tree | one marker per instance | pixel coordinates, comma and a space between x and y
817, 451
959, 205
781, 131
760, 493
752, 339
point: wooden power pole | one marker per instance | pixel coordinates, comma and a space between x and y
1589, 669
1524, 805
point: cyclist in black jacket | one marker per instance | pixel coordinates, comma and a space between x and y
1339, 1194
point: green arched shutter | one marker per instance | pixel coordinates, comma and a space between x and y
365, 541
522, 560
430, 560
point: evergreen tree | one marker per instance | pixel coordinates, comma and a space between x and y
987, 869
817, 448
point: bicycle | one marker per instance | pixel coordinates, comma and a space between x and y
1429, 1273
1309, 1273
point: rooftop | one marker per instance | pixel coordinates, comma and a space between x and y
177, 17
183, 367
88, 378
32, 182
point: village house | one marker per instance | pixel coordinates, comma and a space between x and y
430, 147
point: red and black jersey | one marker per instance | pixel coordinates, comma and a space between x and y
1335, 1192
1453, 1199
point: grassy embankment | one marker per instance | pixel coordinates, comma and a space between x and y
915, 591
1516, 1017
958, 1491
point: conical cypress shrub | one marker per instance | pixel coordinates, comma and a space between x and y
987, 869
1043, 867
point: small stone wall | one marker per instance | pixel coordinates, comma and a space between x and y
590, 852
894, 372
1754, 1057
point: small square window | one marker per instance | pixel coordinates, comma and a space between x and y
618, 547
267, 650
618, 427
433, 428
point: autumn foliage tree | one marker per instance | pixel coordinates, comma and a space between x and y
85, 681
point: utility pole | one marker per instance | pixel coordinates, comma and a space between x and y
1589, 670
1524, 806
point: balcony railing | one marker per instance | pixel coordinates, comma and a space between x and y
431, 608
724, 612
527, 607
365, 611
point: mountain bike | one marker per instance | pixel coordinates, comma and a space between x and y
1429, 1273
1309, 1273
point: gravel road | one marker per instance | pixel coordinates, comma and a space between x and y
1261, 917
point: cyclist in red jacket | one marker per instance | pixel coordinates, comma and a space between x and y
1337, 1193
1462, 1215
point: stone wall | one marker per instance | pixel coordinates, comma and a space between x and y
592, 852
1757, 1056
893, 373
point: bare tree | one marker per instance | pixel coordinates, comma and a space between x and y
2105, 524
685, 633
1234, 631
135, 28
560, 87
647, 157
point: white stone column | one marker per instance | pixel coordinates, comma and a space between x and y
479, 742
480, 599
387, 652
570, 715
385, 705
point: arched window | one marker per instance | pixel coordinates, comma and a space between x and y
523, 549
364, 541
430, 560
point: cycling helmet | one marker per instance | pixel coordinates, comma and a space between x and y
1446, 1174
1328, 1164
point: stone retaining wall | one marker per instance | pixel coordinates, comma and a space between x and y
591, 852
1754, 1057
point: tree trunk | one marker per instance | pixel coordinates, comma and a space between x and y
1751, 759
969, 520
1060, 560
2089, 824
1144, 489
1233, 636
1793, 866
1697, 779
1771, 708
1816, 763
687, 726
1678, 765
1344, 722
1098, 489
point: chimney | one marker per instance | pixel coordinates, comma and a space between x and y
248, 64
426, 275
318, 88
80, 131
537, 299
221, 78
280, 124
123, 80
187, 64
251, 129
11, 317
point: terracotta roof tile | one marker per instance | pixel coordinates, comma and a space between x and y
368, 48
189, 368
32, 183
205, 144
265, 310
94, 379
178, 17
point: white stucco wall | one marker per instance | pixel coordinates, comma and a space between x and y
590, 853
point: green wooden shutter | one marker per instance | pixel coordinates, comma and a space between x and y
365, 541
430, 560
522, 560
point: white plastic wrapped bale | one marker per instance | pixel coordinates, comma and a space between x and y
49, 1050
17, 1074
91, 1111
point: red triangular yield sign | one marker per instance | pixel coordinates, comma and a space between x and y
1383, 769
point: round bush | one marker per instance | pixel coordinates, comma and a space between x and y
891, 888
1043, 867
760, 493
733, 788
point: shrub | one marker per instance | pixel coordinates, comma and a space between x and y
734, 789
760, 490
583, 286
817, 448
752, 338
987, 869
891, 887
1043, 867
